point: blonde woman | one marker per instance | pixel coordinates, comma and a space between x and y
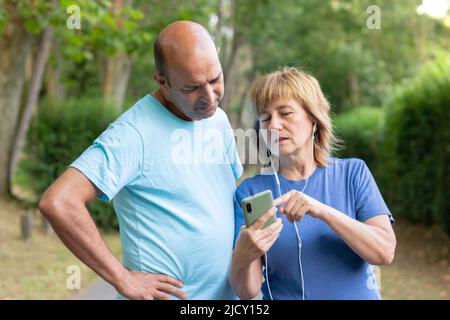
332, 223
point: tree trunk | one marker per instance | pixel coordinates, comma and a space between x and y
115, 75
218, 29
229, 59
55, 87
15, 44
239, 80
32, 98
355, 92
116, 70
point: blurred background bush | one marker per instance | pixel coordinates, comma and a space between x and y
406, 144
59, 133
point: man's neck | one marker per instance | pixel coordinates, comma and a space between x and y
170, 106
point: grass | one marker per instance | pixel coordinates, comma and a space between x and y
37, 269
421, 269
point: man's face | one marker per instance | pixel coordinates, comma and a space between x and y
195, 86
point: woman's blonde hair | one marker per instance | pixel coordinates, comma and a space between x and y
291, 83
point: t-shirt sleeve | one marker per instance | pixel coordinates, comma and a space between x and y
235, 162
368, 199
232, 151
238, 214
113, 160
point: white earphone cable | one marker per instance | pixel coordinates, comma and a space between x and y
299, 241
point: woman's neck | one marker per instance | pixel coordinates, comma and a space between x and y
298, 166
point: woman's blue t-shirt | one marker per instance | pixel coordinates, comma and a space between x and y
331, 269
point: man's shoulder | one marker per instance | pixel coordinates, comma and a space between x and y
127, 128
142, 116
141, 109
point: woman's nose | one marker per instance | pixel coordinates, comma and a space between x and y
274, 124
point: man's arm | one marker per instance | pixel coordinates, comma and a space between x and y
64, 206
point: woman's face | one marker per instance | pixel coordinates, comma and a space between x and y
287, 119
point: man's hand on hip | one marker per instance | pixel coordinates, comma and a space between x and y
147, 286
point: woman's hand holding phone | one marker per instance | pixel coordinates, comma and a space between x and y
254, 241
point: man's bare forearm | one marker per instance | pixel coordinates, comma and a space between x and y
75, 227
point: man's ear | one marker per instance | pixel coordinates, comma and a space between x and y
160, 79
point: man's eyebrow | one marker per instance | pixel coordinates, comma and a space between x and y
218, 75
198, 84
192, 85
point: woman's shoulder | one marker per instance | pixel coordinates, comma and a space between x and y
255, 183
346, 163
255, 179
346, 167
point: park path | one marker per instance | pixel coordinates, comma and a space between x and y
99, 290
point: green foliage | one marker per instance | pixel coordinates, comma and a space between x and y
36, 14
3, 16
416, 154
132, 31
102, 30
407, 145
58, 135
361, 130
354, 64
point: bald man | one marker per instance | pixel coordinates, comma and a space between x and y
174, 205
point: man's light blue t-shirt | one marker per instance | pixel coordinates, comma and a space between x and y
331, 269
172, 184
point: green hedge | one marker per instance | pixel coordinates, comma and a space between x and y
407, 145
416, 152
59, 133
361, 130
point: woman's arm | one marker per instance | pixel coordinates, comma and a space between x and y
246, 268
374, 240
246, 278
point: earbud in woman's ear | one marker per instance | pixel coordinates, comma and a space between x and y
314, 131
